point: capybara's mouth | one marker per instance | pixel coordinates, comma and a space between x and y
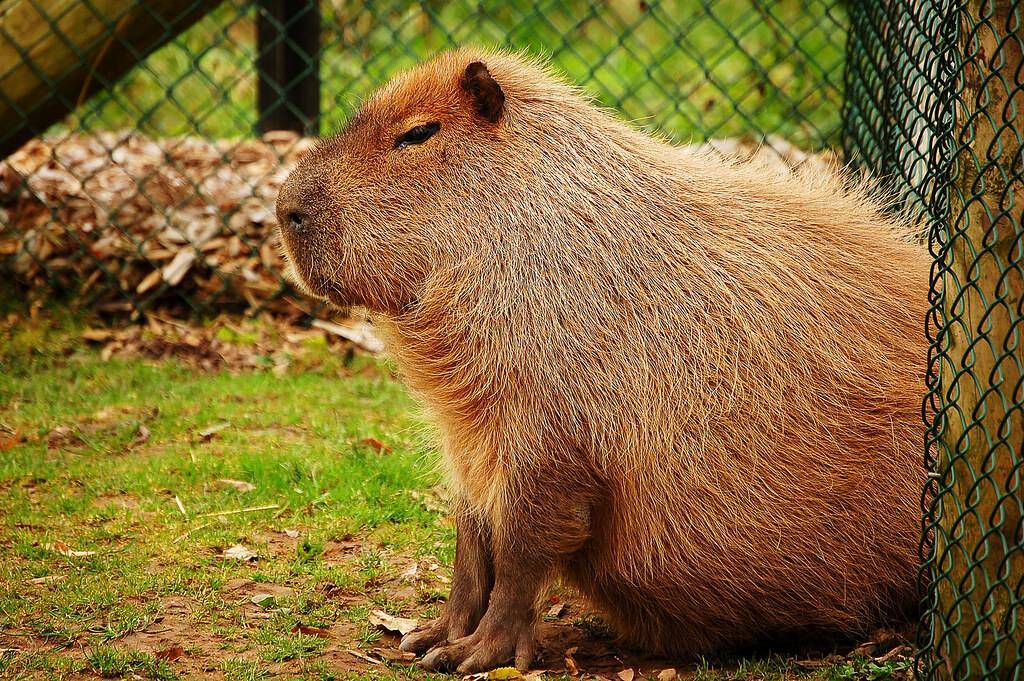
294, 275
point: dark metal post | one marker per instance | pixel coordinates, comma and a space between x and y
288, 64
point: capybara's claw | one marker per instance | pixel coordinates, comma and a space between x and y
423, 638
478, 653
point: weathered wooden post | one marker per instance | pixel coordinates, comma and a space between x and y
288, 64
978, 616
55, 54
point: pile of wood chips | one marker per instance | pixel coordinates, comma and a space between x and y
125, 222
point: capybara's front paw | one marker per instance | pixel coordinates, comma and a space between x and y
482, 651
426, 636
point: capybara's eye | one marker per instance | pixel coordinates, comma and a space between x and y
418, 135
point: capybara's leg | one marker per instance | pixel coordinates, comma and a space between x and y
526, 557
471, 586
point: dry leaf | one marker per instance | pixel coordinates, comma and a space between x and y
47, 579
239, 552
364, 657
141, 435
393, 655
65, 550
97, 335
399, 625
311, 631
503, 673
626, 675
265, 601
169, 654
376, 444
361, 334
292, 533
555, 611
570, 662
174, 272
240, 485
207, 433
667, 674
9, 442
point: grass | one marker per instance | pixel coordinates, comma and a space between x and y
692, 69
150, 595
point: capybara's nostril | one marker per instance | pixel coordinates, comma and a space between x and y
297, 221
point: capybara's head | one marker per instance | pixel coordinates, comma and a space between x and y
429, 162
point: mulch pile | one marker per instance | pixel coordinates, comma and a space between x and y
125, 221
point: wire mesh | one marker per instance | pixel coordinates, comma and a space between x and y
157, 191
935, 99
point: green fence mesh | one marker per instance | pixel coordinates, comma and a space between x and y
149, 180
935, 99
157, 192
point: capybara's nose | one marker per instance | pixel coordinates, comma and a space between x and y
296, 221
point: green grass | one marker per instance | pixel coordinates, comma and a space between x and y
156, 579
692, 69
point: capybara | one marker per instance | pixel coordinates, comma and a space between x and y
689, 387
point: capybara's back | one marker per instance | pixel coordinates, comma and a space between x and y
690, 386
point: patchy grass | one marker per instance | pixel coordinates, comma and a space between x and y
112, 541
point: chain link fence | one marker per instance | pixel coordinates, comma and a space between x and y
160, 132
935, 99
156, 193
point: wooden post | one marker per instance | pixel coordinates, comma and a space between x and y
978, 625
55, 54
288, 63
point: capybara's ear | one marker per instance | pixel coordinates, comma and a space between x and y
487, 96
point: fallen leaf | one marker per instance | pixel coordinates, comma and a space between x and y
667, 674
63, 436
264, 600
240, 485
375, 443
502, 673
292, 533
364, 657
393, 655
174, 272
311, 631
206, 434
65, 550
47, 579
239, 552
169, 654
361, 334
10, 441
555, 611
571, 667
626, 674
97, 335
141, 435
410, 574
399, 625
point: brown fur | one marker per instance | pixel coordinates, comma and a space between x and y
691, 387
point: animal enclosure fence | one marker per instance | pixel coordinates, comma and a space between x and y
145, 141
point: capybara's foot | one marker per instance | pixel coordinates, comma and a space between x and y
425, 636
483, 651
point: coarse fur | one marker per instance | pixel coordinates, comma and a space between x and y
689, 386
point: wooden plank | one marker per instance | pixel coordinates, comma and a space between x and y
55, 54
